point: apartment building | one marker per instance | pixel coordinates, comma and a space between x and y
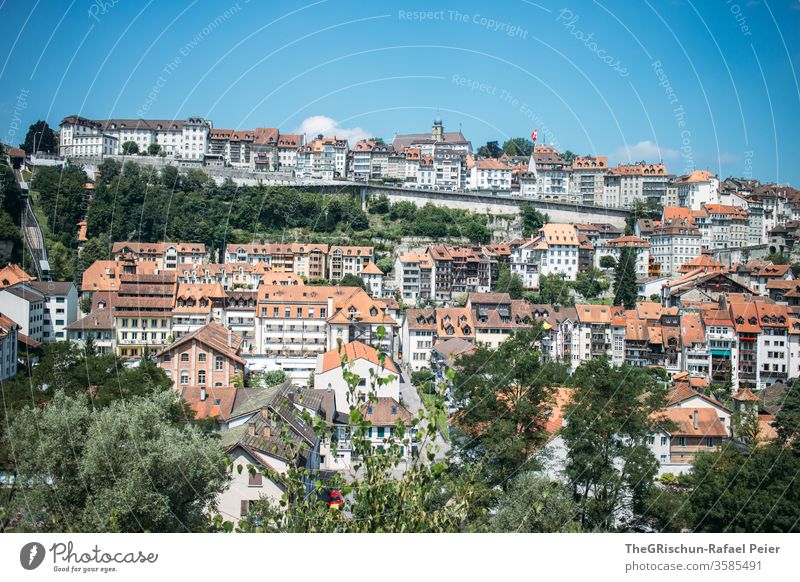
165, 255
554, 251
347, 260
303, 320
629, 182
459, 270
373, 279
97, 326
9, 336
697, 188
208, 357
61, 307
548, 177
370, 160
143, 313
82, 138
587, 178
422, 328
673, 243
496, 317
489, 174
322, 158
412, 275
196, 305
26, 306
287, 147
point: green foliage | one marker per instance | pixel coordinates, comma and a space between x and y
518, 146
350, 280
787, 419
608, 262
640, 209
777, 259
61, 200
130, 467
275, 377
386, 264
609, 465
62, 262
420, 377
10, 193
532, 219
590, 283
153, 149
10, 232
758, 493
379, 204
504, 395
508, 282
625, 289
130, 148
568, 156
490, 150
553, 289
534, 504
42, 136
66, 367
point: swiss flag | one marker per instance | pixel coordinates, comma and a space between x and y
533, 134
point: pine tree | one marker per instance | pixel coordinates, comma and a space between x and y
625, 279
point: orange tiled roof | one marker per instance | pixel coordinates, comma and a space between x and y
708, 422
351, 352
12, 274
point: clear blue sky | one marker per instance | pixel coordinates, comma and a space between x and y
704, 84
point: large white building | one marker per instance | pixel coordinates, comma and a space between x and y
26, 306
324, 158
61, 307
554, 251
489, 174
698, 188
674, 243
613, 248
8, 347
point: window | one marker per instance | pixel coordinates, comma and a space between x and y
254, 479
201, 357
381, 431
218, 364
681, 441
201, 377
184, 357
245, 507
709, 442
184, 378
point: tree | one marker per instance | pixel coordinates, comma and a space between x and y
787, 419
490, 150
379, 204
532, 219
130, 467
42, 136
386, 264
153, 149
625, 288
608, 262
504, 398
518, 146
534, 504
508, 282
590, 283
777, 258
275, 377
609, 465
754, 494
350, 280
62, 262
130, 148
568, 156
555, 290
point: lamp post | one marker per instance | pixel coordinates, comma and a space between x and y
34, 140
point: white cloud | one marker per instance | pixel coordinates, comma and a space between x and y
646, 150
316, 124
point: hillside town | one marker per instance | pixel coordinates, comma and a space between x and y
699, 284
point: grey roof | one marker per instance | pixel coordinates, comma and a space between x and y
23, 291
771, 398
99, 319
53, 287
403, 140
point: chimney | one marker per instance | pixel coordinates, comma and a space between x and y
695, 419
230, 338
290, 397
266, 432
251, 428
203, 394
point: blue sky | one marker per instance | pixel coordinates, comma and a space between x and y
699, 84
